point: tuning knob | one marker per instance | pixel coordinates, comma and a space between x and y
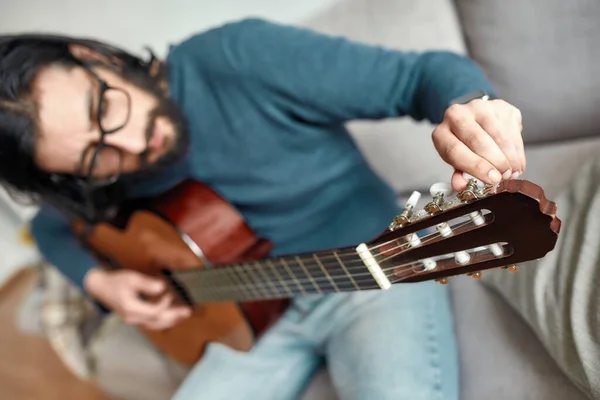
438, 191
442, 281
440, 188
473, 188
413, 200
404, 217
469, 177
474, 275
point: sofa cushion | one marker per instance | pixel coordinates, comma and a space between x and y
501, 358
542, 56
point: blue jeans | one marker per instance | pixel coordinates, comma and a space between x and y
397, 344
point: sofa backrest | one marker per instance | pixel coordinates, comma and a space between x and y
544, 57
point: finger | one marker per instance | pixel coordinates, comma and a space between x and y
504, 135
457, 154
138, 311
147, 284
519, 144
458, 181
469, 132
169, 318
520, 147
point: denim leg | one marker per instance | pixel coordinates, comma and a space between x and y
397, 344
277, 368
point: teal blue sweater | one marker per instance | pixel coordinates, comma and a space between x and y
266, 105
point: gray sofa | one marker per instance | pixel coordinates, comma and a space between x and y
542, 56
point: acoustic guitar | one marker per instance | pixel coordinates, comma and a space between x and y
212, 259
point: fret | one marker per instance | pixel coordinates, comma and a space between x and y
211, 285
239, 270
326, 274
216, 283
192, 284
299, 261
267, 280
198, 287
279, 277
340, 262
292, 275
257, 284
236, 282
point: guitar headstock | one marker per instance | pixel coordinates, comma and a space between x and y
479, 228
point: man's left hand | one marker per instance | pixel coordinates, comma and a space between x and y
482, 138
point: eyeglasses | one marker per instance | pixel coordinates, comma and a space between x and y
102, 164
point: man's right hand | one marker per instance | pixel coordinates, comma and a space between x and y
123, 292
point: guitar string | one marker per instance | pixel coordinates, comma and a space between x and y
295, 280
232, 293
262, 286
355, 263
201, 291
435, 233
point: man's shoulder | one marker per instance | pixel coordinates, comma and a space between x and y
206, 40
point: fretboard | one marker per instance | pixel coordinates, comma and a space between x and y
276, 277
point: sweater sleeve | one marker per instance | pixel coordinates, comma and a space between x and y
59, 246
327, 79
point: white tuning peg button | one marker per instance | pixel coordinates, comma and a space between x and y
468, 176
413, 199
443, 188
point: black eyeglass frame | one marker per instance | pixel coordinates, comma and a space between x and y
86, 181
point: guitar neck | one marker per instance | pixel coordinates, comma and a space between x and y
277, 277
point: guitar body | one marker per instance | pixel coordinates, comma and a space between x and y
181, 229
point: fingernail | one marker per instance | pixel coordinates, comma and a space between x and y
494, 176
515, 175
507, 174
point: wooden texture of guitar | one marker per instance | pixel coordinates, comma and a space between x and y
213, 260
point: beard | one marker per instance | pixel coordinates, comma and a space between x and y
108, 199
177, 145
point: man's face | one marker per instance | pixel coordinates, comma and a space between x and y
153, 133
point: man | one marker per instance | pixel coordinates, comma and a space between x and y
257, 111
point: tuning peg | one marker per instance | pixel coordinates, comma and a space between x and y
438, 191
478, 219
404, 217
474, 275
442, 281
440, 188
471, 178
413, 200
511, 268
472, 190
462, 257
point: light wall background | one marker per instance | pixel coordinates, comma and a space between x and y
134, 24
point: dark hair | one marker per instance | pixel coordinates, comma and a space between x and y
21, 58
